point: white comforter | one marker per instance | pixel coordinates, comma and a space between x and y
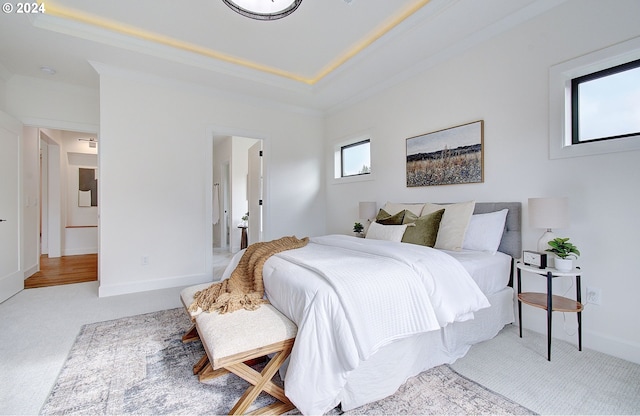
350, 296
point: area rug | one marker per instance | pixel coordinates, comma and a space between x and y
139, 365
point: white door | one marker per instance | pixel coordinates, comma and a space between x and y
254, 192
11, 274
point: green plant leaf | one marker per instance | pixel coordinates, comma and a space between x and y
562, 248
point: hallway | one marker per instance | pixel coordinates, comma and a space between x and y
64, 270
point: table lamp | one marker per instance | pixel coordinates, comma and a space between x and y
367, 210
548, 213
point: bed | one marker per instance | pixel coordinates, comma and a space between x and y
372, 312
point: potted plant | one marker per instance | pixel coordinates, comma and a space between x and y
358, 228
245, 220
564, 251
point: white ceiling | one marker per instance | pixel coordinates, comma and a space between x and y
326, 54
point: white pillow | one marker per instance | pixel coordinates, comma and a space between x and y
393, 208
485, 231
453, 226
386, 232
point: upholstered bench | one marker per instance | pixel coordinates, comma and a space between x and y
187, 296
231, 339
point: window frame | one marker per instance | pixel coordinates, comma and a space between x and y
575, 97
560, 101
351, 145
336, 177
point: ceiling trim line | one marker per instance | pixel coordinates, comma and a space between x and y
137, 33
382, 30
74, 15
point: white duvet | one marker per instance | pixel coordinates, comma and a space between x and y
351, 296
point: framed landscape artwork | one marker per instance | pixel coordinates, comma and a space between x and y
446, 157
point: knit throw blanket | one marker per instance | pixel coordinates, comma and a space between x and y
244, 289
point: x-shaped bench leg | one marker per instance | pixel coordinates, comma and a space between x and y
261, 382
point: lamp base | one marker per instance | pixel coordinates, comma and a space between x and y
543, 245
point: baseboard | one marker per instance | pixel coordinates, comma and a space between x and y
617, 347
596, 341
31, 271
80, 251
148, 285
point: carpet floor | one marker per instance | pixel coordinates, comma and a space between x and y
138, 365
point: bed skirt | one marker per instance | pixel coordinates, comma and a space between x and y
382, 374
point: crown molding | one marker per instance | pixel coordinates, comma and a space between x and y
137, 76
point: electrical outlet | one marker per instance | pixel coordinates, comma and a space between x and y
144, 260
594, 295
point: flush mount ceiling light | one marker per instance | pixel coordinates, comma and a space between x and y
48, 70
263, 9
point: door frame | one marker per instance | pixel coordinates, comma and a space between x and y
13, 282
55, 228
215, 130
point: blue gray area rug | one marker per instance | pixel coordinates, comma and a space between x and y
139, 365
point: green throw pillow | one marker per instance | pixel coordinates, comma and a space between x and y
425, 230
385, 218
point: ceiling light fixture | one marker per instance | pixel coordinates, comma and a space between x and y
48, 70
263, 9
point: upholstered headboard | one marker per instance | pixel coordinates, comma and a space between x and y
511, 243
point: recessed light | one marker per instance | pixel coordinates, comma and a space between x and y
48, 70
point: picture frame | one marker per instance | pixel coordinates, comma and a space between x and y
87, 187
446, 157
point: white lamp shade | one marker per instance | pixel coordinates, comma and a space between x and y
549, 212
367, 210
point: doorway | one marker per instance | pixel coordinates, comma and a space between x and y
238, 192
68, 209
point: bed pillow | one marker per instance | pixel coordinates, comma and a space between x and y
485, 231
385, 218
425, 229
453, 225
394, 208
378, 231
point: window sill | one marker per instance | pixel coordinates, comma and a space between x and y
353, 179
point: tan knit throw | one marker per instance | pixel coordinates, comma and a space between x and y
244, 288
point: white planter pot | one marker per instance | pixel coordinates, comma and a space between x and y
563, 265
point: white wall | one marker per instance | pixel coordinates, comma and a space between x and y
3, 88
159, 207
505, 82
42, 103
31, 200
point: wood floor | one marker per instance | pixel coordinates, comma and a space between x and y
64, 271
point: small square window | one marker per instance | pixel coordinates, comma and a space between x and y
594, 102
355, 159
606, 104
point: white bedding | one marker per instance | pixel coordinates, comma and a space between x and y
339, 327
490, 271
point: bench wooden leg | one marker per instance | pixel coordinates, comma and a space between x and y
204, 362
201, 364
261, 382
209, 373
191, 335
